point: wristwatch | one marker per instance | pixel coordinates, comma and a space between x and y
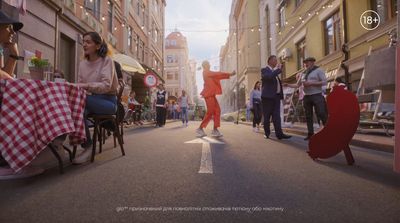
17, 57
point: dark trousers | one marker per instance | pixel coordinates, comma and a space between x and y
317, 102
257, 114
161, 113
272, 107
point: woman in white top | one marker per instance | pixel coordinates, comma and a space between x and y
184, 102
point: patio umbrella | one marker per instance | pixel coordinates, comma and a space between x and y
129, 64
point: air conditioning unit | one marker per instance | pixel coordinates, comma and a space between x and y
285, 53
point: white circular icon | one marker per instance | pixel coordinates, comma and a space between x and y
370, 20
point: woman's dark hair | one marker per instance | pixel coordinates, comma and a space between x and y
102, 52
271, 57
339, 80
255, 85
118, 69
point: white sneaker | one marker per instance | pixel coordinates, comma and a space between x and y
83, 157
200, 133
216, 133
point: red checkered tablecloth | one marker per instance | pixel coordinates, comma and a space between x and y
33, 113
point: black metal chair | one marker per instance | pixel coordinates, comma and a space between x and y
98, 121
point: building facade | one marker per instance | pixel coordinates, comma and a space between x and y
228, 62
179, 70
55, 28
268, 37
244, 38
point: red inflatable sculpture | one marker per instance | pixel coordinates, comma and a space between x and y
343, 119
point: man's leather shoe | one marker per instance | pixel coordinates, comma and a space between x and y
266, 136
284, 136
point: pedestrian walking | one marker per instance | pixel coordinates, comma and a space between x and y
255, 105
161, 106
212, 87
184, 102
271, 97
248, 110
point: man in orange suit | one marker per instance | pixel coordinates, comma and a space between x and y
212, 87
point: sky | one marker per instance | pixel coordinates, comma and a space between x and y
200, 15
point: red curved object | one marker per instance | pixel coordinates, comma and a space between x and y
343, 119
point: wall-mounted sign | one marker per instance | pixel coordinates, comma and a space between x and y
150, 80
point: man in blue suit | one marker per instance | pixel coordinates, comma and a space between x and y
271, 96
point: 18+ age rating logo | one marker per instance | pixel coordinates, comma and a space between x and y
370, 20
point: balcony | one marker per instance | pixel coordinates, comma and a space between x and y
70, 5
92, 22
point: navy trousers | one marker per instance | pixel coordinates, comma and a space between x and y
271, 107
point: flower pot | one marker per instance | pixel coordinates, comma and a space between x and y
36, 73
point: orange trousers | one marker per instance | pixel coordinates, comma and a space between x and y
213, 110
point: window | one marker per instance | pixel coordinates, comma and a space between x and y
144, 15
110, 16
155, 35
170, 58
332, 34
301, 53
298, 2
173, 42
268, 30
137, 46
135, 42
156, 6
138, 7
387, 9
170, 75
93, 6
176, 76
129, 37
282, 17
142, 50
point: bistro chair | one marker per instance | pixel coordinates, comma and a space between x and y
98, 120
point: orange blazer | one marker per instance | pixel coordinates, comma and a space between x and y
212, 85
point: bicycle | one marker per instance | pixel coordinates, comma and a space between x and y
148, 114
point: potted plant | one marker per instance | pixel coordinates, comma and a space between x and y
37, 67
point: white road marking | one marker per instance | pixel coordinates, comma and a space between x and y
206, 159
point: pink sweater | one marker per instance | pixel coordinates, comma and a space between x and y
100, 75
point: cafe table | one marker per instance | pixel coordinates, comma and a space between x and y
33, 114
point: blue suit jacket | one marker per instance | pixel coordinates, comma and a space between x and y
270, 83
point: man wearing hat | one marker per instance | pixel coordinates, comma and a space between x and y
313, 79
8, 28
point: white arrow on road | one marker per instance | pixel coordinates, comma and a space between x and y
206, 160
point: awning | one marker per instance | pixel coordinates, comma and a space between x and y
129, 64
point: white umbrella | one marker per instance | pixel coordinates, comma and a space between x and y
129, 64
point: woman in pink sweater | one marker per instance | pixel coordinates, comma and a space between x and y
97, 76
